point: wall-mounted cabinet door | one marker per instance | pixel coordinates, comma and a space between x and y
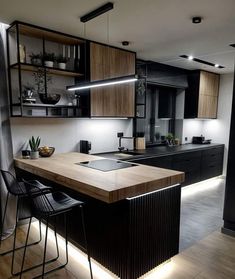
111, 101
201, 97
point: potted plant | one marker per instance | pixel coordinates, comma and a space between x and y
170, 139
49, 59
61, 60
36, 59
34, 145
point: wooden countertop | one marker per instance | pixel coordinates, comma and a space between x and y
108, 186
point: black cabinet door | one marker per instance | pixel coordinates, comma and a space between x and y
190, 164
212, 162
166, 105
191, 95
161, 162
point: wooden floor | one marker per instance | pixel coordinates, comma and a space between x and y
212, 257
201, 211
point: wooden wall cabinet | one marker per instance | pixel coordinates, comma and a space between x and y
201, 97
111, 101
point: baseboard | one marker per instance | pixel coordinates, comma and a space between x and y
228, 232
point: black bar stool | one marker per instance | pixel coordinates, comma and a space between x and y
47, 205
18, 189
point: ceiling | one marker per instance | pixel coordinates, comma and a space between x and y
158, 30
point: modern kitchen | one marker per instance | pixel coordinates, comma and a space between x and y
117, 125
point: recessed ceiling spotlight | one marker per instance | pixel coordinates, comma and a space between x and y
190, 57
125, 43
196, 19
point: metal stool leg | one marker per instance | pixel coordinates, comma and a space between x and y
67, 256
45, 249
25, 247
14, 242
85, 237
26, 242
3, 220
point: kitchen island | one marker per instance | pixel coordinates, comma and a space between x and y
132, 213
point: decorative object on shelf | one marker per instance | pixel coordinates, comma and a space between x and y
39, 79
170, 139
177, 141
34, 145
22, 54
36, 59
140, 87
25, 154
27, 94
61, 60
49, 59
46, 151
50, 99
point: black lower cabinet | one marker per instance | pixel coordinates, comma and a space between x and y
212, 163
189, 163
161, 162
197, 165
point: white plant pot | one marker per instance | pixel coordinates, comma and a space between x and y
49, 64
62, 66
34, 154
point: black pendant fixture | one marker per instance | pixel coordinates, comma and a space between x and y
106, 82
97, 12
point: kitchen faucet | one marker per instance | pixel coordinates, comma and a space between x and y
121, 136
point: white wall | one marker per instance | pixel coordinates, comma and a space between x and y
65, 134
191, 127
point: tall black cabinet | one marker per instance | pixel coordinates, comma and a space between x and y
229, 202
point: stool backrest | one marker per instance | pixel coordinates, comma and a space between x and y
39, 201
12, 184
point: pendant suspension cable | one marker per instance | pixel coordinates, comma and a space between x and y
107, 28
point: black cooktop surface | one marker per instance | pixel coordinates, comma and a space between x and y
106, 164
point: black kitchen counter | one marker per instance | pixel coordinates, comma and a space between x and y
157, 151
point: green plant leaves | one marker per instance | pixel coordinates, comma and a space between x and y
34, 144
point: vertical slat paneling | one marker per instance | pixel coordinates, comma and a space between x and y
154, 230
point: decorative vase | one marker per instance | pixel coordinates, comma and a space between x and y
62, 66
36, 61
34, 154
49, 64
22, 54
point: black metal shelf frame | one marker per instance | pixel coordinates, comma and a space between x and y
20, 67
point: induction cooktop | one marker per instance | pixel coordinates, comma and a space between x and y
106, 164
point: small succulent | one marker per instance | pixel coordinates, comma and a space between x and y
170, 136
61, 59
35, 56
34, 144
49, 57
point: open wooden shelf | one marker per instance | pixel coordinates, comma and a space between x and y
44, 105
47, 34
54, 71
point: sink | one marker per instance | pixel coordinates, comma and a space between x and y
120, 154
127, 154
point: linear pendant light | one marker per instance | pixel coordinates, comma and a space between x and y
105, 82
